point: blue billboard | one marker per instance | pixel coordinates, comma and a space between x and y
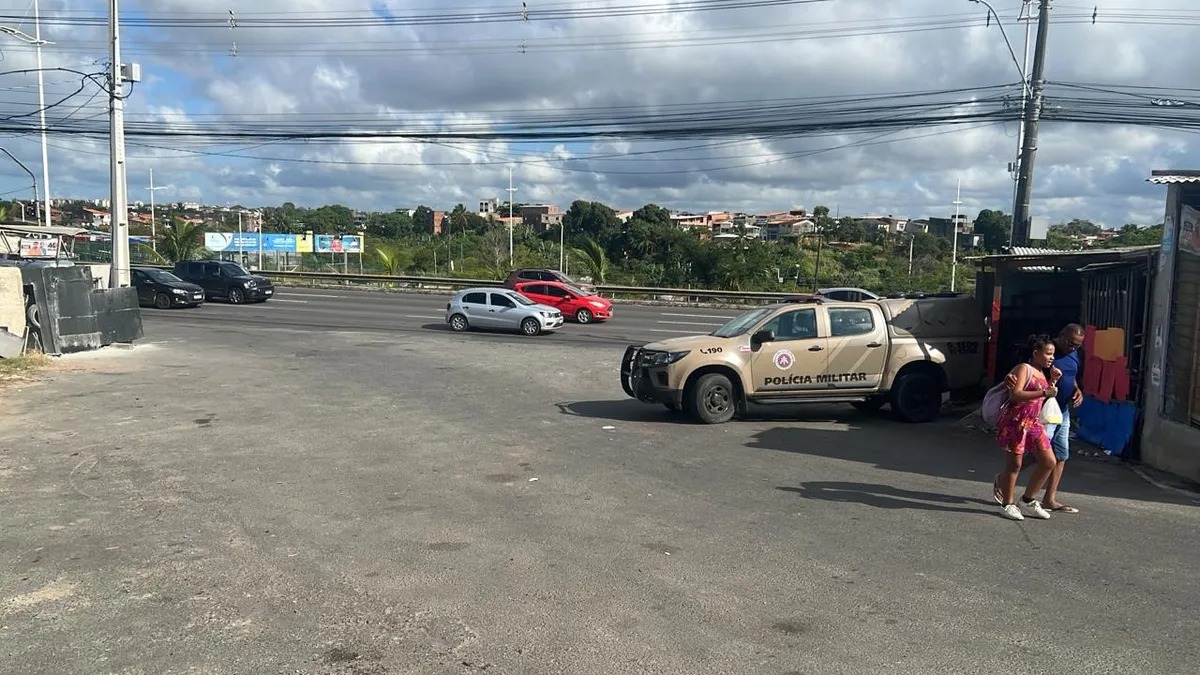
282, 243
338, 243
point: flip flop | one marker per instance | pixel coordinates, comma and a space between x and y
1063, 508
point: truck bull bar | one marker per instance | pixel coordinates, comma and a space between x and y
631, 374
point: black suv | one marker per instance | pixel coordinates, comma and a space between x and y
226, 280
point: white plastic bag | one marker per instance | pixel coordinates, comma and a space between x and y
1051, 412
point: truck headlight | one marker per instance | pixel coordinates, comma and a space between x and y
656, 359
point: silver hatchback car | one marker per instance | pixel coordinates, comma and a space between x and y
500, 309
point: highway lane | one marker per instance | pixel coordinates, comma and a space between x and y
374, 311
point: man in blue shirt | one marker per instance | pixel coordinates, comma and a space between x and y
1068, 359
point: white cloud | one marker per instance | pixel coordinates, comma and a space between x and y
357, 77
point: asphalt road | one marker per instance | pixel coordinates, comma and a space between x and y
250, 495
411, 312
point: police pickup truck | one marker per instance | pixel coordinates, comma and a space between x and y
905, 352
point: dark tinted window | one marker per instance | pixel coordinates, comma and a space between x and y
212, 269
529, 274
536, 289
474, 299
800, 324
847, 322
555, 291
501, 300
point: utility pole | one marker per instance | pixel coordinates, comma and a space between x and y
1025, 17
954, 245
562, 240
153, 229
118, 206
37, 34
1032, 114
511, 190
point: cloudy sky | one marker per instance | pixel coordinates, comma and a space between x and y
363, 65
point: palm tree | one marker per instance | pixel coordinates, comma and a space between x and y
392, 259
594, 258
179, 240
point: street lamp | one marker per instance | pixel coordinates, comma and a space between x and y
37, 41
32, 177
954, 252
153, 231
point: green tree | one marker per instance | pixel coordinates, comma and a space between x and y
594, 221
1133, 235
422, 219
653, 214
995, 227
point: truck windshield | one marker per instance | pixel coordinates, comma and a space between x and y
742, 323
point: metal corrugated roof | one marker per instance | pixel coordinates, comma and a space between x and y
1168, 177
1029, 250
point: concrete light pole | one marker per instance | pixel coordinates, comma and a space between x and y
511, 190
118, 204
37, 41
954, 224
37, 34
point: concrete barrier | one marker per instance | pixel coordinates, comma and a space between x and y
67, 314
12, 312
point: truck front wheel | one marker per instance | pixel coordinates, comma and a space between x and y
712, 399
917, 398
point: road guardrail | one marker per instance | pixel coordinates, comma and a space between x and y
450, 284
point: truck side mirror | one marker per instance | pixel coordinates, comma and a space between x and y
761, 337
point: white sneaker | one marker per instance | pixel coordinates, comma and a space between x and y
1012, 512
1034, 509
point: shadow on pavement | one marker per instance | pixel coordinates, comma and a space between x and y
944, 451
888, 497
627, 410
630, 410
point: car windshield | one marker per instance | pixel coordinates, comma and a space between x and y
741, 323
162, 276
234, 269
520, 299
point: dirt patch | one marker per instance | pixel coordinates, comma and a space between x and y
51, 592
23, 368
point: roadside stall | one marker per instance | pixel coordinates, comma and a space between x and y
1109, 293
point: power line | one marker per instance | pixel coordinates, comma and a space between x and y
373, 18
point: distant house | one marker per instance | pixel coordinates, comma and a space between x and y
541, 217
96, 219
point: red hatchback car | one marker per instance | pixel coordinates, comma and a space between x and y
573, 302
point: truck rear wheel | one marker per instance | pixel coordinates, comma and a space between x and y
712, 399
917, 398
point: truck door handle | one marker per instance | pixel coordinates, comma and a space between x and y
873, 345
816, 348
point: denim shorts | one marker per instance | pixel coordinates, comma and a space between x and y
1060, 436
